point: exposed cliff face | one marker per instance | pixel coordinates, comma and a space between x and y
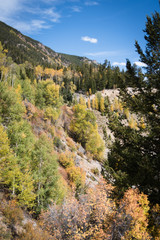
82, 159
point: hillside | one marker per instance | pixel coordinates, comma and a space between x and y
22, 48
79, 161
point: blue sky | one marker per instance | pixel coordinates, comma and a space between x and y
97, 29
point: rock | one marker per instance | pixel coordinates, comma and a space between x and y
81, 150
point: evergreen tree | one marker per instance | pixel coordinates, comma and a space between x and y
20, 184
22, 141
135, 154
44, 168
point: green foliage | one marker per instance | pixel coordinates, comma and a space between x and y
25, 191
66, 159
58, 143
8, 166
21, 184
95, 145
77, 176
30, 49
11, 106
51, 113
47, 94
135, 154
84, 130
95, 171
28, 91
83, 124
22, 140
44, 167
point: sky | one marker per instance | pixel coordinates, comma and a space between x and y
97, 29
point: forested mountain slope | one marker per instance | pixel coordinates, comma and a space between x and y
22, 48
55, 180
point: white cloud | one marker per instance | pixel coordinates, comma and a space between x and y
52, 15
119, 64
76, 9
38, 24
8, 8
91, 3
103, 53
140, 64
30, 27
89, 39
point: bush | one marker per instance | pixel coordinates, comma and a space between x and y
66, 159
35, 233
57, 142
77, 176
13, 213
95, 171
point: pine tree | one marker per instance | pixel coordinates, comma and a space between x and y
135, 154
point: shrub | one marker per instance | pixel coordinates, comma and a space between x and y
57, 142
95, 171
13, 213
66, 159
77, 176
32, 232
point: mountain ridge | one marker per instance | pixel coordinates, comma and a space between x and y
23, 48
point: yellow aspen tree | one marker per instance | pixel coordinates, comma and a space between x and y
89, 103
117, 114
82, 101
72, 87
132, 123
96, 103
142, 124
127, 113
39, 72
93, 103
52, 94
102, 108
136, 205
18, 89
120, 107
116, 104
112, 108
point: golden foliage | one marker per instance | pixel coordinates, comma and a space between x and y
66, 159
80, 219
88, 103
82, 101
102, 107
132, 123
136, 205
96, 103
93, 104
77, 176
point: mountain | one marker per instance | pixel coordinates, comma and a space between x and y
23, 48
